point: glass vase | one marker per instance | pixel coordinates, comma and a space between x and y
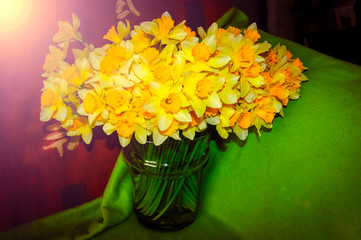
167, 179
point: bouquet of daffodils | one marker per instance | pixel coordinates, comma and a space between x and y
161, 80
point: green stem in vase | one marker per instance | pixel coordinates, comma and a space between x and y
167, 176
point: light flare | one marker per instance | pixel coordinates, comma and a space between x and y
13, 13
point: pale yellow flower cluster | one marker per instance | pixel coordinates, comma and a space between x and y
161, 80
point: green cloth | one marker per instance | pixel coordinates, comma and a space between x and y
301, 180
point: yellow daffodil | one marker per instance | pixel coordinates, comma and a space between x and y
77, 73
93, 105
81, 127
140, 40
116, 36
169, 105
201, 90
54, 59
68, 32
163, 30
160, 80
203, 56
52, 105
114, 66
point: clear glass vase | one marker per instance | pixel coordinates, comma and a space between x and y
167, 179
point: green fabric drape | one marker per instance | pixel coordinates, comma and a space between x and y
301, 180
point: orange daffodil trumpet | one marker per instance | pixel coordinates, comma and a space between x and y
160, 80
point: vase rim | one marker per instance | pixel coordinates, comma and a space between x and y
164, 164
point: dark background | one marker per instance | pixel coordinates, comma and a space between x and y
35, 183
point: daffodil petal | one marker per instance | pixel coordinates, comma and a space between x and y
143, 72
189, 133
219, 61
61, 113
124, 141
46, 113
158, 138
177, 34
175, 136
140, 134
164, 121
228, 96
211, 42
122, 81
277, 106
241, 133
257, 81
148, 27
227, 112
92, 117
183, 116
80, 110
245, 87
213, 101
87, 135
199, 107
151, 105
213, 120
222, 132
108, 128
